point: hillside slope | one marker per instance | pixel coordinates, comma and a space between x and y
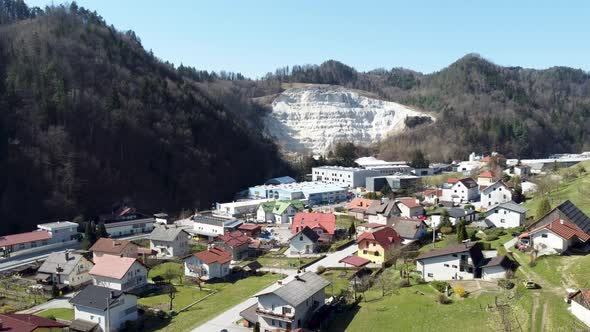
89, 118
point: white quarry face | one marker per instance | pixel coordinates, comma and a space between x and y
313, 118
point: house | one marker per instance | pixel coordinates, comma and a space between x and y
580, 305
324, 224
29, 323
251, 230
496, 267
494, 194
522, 171
169, 241
369, 227
304, 242
382, 212
410, 228
279, 212
108, 308
66, 267
289, 307
432, 196
395, 182
357, 207
464, 190
455, 262
208, 264
558, 236
410, 207
506, 215
111, 247
375, 245
126, 220
235, 242
566, 211
209, 226
456, 215
47, 236
119, 273
486, 177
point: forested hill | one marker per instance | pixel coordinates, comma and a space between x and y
88, 118
480, 106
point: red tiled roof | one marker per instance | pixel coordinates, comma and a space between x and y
486, 174
9, 240
565, 229
26, 322
313, 220
114, 267
234, 239
436, 192
249, 227
359, 203
214, 255
110, 246
355, 261
410, 202
452, 180
386, 237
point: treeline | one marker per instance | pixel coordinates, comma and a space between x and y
88, 117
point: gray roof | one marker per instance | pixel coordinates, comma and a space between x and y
129, 222
212, 220
58, 259
459, 212
82, 325
301, 288
96, 297
453, 249
387, 208
499, 260
165, 233
510, 206
59, 224
309, 233
407, 229
250, 314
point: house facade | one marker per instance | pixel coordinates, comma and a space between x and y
383, 212
457, 262
410, 207
304, 242
324, 224
358, 207
66, 268
506, 215
580, 305
557, 236
119, 273
290, 306
169, 241
496, 193
464, 190
279, 212
208, 264
410, 228
234, 242
111, 247
375, 245
108, 308
209, 226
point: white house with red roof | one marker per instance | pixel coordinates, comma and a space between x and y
432, 196
557, 236
111, 247
464, 190
410, 207
208, 264
486, 177
324, 224
119, 273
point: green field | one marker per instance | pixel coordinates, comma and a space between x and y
59, 313
158, 270
184, 296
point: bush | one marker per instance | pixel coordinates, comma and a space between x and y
469, 207
443, 299
321, 269
460, 290
490, 237
440, 286
404, 283
486, 246
533, 263
505, 283
471, 235
420, 281
446, 230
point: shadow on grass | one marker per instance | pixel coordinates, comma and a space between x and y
342, 320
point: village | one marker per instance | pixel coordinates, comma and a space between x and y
491, 242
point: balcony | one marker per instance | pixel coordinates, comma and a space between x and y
275, 315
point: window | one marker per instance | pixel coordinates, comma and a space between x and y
286, 310
376, 253
272, 322
446, 265
502, 220
365, 252
454, 266
301, 238
454, 255
544, 235
430, 275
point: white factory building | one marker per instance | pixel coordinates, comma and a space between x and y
351, 177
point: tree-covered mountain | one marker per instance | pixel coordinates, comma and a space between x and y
88, 118
480, 106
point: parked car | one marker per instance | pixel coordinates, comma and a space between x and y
529, 284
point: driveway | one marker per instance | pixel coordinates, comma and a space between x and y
510, 244
62, 302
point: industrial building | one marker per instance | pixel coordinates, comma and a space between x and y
313, 192
395, 182
350, 177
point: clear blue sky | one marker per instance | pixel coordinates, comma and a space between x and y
254, 37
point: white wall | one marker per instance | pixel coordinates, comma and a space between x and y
436, 267
301, 244
214, 270
494, 195
493, 272
270, 301
202, 228
548, 243
134, 278
79, 274
117, 312
115, 231
177, 248
581, 312
505, 218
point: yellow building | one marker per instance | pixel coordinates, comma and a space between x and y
375, 245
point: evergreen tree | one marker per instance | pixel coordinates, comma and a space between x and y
101, 231
90, 234
543, 207
351, 230
386, 190
445, 220
419, 160
462, 232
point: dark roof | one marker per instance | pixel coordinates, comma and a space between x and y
387, 208
454, 249
565, 210
252, 266
212, 220
459, 212
113, 224
512, 206
407, 228
82, 325
309, 233
26, 322
301, 288
234, 239
499, 260
468, 182
95, 297
250, 314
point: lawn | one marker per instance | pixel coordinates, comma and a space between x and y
228, 295
158, 270
339, 279
345, 221
59, 313
446, 241
185, 295
283, 263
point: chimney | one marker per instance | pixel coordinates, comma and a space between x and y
67, 254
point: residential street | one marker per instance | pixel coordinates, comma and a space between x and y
62, 302
227, 319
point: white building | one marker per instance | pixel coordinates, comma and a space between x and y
456, 262
54, 235
239, 208
130, 227
61, 231
368, 162
557, 236
391, 169
66, 268
170, 241
279, 212
350, 177
580, 305
208, 264
496, 268
496, 193
410, 207
506, 215
313, 192
304, 242
119, 273
290, 306
108, 308
464, 190
211, 226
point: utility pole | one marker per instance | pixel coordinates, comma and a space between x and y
107, 328
433, 235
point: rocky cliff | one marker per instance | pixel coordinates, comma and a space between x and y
312, 118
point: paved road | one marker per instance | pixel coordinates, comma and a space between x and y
19, 260
62, 302
510, 244
227, 319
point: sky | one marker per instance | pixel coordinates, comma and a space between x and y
255, 37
